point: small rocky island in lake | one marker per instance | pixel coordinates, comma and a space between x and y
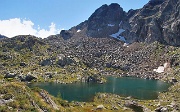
142, 43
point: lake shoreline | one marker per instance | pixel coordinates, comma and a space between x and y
109, 84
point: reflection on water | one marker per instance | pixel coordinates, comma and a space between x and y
126, 86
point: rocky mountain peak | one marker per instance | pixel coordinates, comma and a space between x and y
158, 20
106, 11
156, 2
105, 20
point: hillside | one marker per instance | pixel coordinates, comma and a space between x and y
141, 43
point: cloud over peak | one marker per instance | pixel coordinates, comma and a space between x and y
17, 26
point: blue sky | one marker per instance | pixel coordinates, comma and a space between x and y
42, 15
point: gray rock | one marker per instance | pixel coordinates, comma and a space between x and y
10, 75
66, 34
46, 62
174, 80
27, 78
100, 107
65, 61
164, 109
22, 64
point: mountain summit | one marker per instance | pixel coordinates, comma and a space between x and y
158, 20
105, 20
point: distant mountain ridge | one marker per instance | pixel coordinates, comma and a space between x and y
158, 20
2, 36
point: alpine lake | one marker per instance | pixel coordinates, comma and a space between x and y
124, 86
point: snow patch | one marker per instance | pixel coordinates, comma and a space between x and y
116, 35
160, 69
125, 45
111, 25
122, 38
78, 30
120, 23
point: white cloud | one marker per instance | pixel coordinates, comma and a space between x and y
17, 26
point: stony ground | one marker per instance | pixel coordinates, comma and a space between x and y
30, 59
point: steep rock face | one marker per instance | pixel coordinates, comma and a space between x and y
171, 23
105, 20
157, 21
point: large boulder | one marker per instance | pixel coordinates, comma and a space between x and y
65, 34
23, 64
46, 62
65, 61
92, 78
10, 75
27, 78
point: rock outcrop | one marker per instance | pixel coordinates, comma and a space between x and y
46, 62
65, 61
66, 34
48, 99
27, 78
